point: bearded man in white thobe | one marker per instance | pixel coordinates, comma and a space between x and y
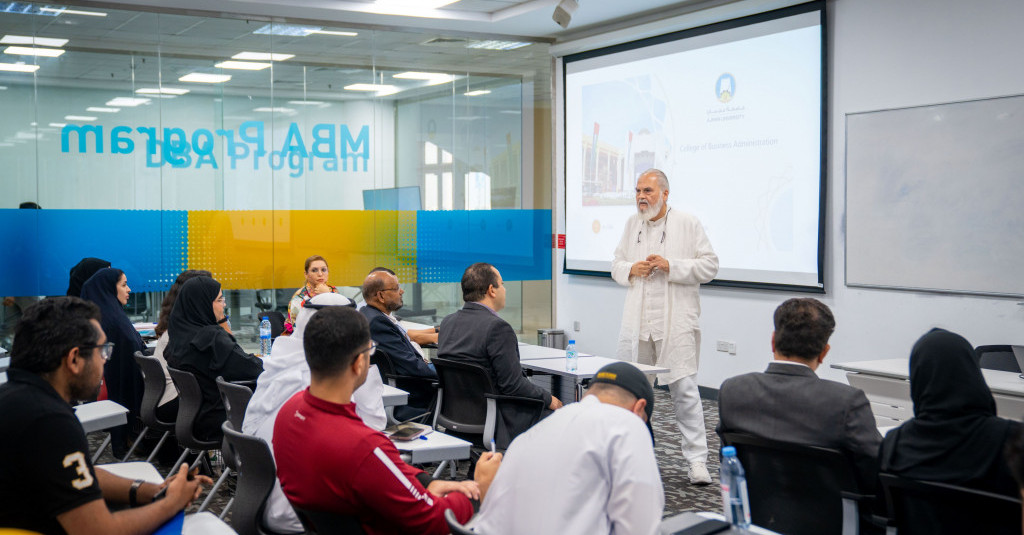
662, 258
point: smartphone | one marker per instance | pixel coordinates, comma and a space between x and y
163, 492
406, 433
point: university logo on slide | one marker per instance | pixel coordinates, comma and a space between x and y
725, 87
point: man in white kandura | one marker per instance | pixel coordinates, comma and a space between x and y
662, 258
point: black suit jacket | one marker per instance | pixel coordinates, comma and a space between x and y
788, 402
476, 335
407, 361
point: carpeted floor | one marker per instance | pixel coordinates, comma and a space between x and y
679, 494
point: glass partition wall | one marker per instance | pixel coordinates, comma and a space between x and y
164, 142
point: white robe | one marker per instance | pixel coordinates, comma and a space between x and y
692, 262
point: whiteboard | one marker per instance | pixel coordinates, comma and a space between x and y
935, 197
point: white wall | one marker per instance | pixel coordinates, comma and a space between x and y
883, 54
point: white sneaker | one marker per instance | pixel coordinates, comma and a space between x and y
698, 473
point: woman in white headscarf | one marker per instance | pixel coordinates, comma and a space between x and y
285, 373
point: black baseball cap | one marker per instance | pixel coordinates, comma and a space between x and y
629, 378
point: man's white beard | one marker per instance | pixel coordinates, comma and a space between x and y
651, 212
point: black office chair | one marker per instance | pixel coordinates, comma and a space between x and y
468, 403
931, 508
999, 357
276, 322
190, 399
257, 474
154, 381
409, 383
455, 526
236, 398
800, 490
324, 523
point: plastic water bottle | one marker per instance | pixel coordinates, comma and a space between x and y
734, 489
265, 337
571, 357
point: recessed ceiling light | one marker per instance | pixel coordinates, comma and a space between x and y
333, 32
307, 103
477, 93
421, 4
262, 56
204, 78
386, 92
29, 40
432, 78
293, 30
497, 45
3, 88
161, 91
242, 65
127, 102
66, 11
265, 109
58, 125
98, 109
33, 51
18, 67
369, 87
82, 118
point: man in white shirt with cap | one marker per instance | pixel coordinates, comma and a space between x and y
587, 469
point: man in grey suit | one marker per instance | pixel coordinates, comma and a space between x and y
788, 402
477, 335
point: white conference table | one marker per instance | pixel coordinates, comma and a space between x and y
394, 397
586, 368
434, 447
677, 523
887, 385
100, 415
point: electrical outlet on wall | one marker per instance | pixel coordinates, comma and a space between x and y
576, 326
722, 346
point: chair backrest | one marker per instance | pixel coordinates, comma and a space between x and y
236, 399
154, 382
382, 360
324, 523
997, 358
927, 507
793, 488
190, 399
455, 526
256, 476
462, 407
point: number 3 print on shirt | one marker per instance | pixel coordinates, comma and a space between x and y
78, 458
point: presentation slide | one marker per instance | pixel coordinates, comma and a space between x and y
733, 117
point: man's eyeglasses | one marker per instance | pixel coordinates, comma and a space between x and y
395, 289
371, 350
106, 350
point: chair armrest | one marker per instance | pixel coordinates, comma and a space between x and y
519, 400
430, 381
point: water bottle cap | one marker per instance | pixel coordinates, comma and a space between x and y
572, 341
729, 451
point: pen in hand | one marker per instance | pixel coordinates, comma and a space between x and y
493, 450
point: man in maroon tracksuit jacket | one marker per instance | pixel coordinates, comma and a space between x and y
328, 460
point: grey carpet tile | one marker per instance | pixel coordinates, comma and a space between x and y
680, 495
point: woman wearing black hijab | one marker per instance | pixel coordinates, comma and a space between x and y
955, 436
84, 269
108, 288
199, 345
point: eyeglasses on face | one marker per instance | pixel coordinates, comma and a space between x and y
106, 350
221, 299
395, 289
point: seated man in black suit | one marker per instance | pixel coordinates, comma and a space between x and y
383, 296
477, 335
788, 402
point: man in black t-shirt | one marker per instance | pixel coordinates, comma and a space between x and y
47, 481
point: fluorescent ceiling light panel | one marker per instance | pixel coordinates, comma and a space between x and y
82, 118
333, 32
127, 102
58, 125
98, 109
307, 103
161, 91
262, 56
497, 45
293, 30
29, 40
432, 78
477, 93
204, 78
33, 51
420, 4
386, 92
265, 109
243, 65
66, 11
18, 67
369, 87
